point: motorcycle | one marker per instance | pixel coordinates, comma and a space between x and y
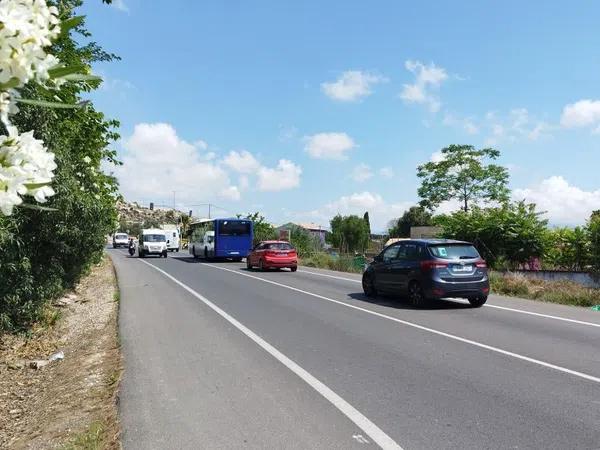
131, 248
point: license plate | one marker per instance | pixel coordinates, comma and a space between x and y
462, 269
283, 254
234, 253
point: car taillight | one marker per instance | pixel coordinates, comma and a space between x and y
429, 265
481, 264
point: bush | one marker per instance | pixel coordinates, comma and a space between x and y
343, 263
45, 252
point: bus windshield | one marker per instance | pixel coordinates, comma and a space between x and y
234, 228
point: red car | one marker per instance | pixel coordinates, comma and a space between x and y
273, 255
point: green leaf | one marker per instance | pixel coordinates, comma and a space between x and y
12, 83
69, 24
80, 77
37, 207
36, 185
46, 104
61, 71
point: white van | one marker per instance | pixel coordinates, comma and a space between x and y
203, 247
153, 241
120, 240
173, 243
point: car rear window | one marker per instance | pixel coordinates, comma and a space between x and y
279, 246
454, 251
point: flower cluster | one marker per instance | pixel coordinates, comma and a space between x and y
27, 28
26, 168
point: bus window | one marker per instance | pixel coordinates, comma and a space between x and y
234, 228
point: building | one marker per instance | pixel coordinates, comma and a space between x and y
318, 231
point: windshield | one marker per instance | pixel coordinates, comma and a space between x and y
454, 251
279, 246
154, 238
120, 236
234, 228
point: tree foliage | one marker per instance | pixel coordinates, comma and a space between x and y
567, 248
463, 174
593, 232
415, 216
349, 233
44, 252
263, 230
510, 234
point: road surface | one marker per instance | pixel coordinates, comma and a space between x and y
217, 356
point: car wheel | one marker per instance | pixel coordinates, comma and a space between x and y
141, 253
248, 265
416, 294
368, 285
478, 302
293, 269
165, 254
261, 266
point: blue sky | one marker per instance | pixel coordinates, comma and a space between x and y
352, 96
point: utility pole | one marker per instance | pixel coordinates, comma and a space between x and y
209, 210
174, 192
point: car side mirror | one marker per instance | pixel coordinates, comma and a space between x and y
378, 258
168, 241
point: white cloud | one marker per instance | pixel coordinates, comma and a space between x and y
386, 172
244, 182
467, 124
380, 211
156, 161
437, 157
285, 176
329, 145
427, 79
565, 204
518, 124
120, 5
583, 113
361, 172
352, 85
242, 162
231, 193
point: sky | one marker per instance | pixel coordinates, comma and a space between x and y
302, 110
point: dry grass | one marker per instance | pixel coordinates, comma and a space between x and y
565, 292
69, 403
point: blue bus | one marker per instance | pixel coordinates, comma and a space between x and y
221, 238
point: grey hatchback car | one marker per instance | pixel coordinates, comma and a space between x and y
428, 269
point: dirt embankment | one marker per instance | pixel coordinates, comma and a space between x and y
68, 402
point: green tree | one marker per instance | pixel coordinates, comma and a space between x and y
415, 216
263, 230
463, 174
593, 230
349, 233
368, 222
567, 248
510, 234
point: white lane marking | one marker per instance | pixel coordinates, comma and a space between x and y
585, 376
372, 430
521, 311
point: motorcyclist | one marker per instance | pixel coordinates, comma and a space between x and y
131, 246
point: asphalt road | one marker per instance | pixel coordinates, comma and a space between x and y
220, 357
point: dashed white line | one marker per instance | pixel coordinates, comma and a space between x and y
487, 305
575, 373
372, 430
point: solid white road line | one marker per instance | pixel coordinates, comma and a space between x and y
420, 327
487, 305
372, 430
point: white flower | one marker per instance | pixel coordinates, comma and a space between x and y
27, 27
8, 105
87, 159
26, 168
